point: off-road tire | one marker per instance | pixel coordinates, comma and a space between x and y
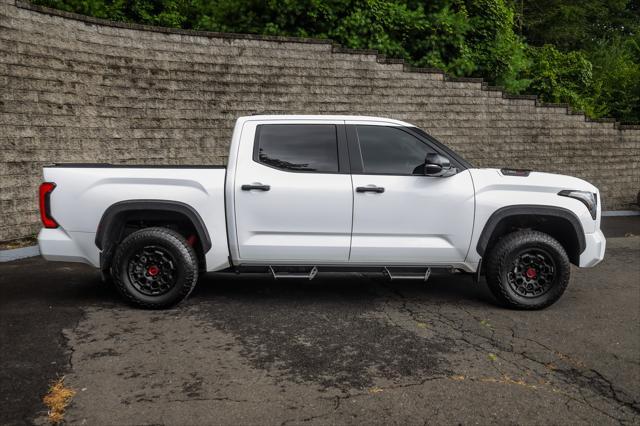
507, 251
181, 257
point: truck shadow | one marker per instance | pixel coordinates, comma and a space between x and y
79, 285
347, 287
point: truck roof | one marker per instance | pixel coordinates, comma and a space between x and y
324, 117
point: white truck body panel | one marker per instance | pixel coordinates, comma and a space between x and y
83, 194
493, 191
415, 218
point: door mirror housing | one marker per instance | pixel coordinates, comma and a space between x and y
437, 165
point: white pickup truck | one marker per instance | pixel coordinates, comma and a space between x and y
303, 195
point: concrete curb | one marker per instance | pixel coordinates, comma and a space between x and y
621, 213
19, 253
632, 243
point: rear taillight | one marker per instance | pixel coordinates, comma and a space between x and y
45, 205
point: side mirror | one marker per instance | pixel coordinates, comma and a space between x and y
436, 165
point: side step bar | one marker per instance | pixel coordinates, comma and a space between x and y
310, 272
407, 275
300, 275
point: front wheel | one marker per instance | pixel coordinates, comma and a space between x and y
528, 270
154, 268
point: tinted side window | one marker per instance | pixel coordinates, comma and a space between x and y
390, 150
298, 147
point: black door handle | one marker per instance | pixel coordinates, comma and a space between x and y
376, 189
257, 186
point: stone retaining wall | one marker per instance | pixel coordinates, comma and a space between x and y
78, 89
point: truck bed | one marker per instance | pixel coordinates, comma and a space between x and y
83, 192
132, 166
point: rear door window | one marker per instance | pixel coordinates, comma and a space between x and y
297, 147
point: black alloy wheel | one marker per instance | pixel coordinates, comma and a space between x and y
532, 273
154, 268
527, 269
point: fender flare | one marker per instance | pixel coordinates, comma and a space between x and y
529, 209
109, 219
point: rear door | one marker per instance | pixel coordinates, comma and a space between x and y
293, 193
400, 216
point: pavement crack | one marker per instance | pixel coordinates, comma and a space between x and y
569, 383
306, 419
225, 399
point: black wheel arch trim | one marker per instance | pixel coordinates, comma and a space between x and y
527, 209
109, 218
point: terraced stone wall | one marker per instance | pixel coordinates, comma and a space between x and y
77, 89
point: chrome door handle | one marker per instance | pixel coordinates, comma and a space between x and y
376, 189
257, 186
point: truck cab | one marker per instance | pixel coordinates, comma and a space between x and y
349, 194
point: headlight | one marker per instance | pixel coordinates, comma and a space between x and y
589, 199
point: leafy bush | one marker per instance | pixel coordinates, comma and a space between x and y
562, 77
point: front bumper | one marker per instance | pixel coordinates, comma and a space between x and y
594, 250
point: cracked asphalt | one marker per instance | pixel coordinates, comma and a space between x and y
341, 349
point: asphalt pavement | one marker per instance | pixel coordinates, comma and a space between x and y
341, 349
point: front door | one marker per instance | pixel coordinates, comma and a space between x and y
292, 189
402, 217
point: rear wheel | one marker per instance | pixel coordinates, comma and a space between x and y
528, 270
154, 268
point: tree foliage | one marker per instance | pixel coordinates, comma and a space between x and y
582, 52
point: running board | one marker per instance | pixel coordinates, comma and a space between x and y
411, 275
299, 275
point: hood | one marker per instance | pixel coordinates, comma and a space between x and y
505, 179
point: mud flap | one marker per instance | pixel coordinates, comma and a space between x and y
476, 276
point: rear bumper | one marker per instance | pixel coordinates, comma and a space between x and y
57, 245
594, 250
